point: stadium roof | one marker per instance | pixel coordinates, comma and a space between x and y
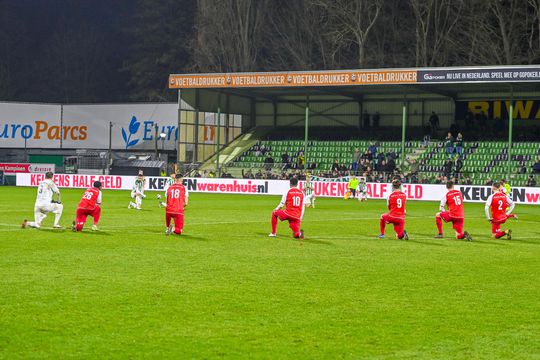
453, 82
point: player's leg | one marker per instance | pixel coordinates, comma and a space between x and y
168, 218
81, 219
438, 222
382, 224
496, 230
57, 211
178, 223
353, 193
457, 224
96, 214
132, 204
277, 215
40, 214
399, 228
138, 200
294, 224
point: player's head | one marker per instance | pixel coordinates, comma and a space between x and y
97, 184
49, 175
396, 184
293, 181
140, 176
178, 178
449, 184
496, 186
503, 181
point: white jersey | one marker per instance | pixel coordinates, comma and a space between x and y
45, 192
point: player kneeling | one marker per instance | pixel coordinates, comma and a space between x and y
45, 204
177, 200
501, 209
455, 214
396, 204
137, 193
293, 201
89, 206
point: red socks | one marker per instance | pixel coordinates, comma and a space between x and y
439, 224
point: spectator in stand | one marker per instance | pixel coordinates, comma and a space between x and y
285, 160
458, 144
342, 168
468, 181
268, 162
531, 181
536, 166
434, 123
447, 168
300, 160
489, 182
247, 175
365, 119
376, 120
373, 150
335, 166
414, 166
449, 144
522, 168
390, 165
469, 119
458, 165
355, 160
482, 120
226, 175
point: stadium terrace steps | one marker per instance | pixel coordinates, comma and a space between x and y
481, 160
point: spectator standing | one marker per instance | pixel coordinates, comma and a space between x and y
458, 165
285, 160
376, 119
300, 160
365, 119
355, 160
268, 162
458, 144
434, 123
447, 168
449, 144
536, 166
335, 166
373, 149
531, 181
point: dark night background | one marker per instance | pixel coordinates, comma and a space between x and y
123, 50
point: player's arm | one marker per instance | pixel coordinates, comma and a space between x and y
55, 190
443, 204
98, 201
511, 207
488, 205
282, 202
186, 198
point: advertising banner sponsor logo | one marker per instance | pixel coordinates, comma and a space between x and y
503, 74
13, 168
424, 192
522, 109
292, 79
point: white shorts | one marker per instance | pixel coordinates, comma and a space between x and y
48, 208
136, 193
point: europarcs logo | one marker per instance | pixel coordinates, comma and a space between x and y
139, 131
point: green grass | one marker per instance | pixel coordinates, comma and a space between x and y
224, 289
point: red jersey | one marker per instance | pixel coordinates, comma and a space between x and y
396, 204
176, 199
90, 199
294, 203
454, 201
499, 203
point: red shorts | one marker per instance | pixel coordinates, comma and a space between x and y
82, 214
178, 221
399, 224
457, 223
294, 223
496, 225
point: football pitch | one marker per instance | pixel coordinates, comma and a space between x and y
226, 290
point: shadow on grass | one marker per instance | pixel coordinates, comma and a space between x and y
188, 237
313, 241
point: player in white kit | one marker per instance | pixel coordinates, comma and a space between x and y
45, 204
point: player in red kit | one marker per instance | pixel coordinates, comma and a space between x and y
501, 207
396, 204
177, 200
293, 201
455, 214
89, 206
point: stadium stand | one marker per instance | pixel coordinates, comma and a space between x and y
481, 161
